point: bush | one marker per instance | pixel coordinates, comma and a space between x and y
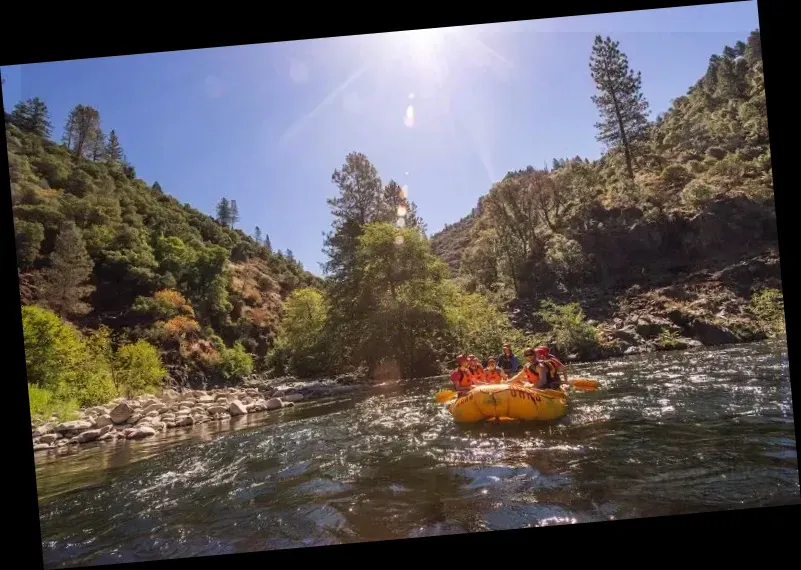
570, 330
767, 305
138, 368
235, 362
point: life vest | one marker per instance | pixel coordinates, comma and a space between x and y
553, 365
493, 376
530, 372
477, 372
462, 379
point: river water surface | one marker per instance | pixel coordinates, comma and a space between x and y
668, 433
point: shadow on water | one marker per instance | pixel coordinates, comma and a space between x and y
666, 434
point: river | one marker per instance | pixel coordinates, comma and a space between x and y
668, 433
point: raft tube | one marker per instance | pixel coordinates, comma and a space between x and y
508, 402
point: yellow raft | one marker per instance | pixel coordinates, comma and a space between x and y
509, 402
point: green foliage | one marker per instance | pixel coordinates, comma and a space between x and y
101, 241
570, 330
28, 237
235, 362
767, 305
301, 344
67, 369
138, 368
669, 339
45, 404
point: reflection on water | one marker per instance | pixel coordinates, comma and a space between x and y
668, 433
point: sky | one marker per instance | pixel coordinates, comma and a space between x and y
267, 124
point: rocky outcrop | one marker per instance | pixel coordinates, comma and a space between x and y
149, 416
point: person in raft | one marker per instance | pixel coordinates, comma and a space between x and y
541, 369
493, 374
475, 366
508, 361
462, 378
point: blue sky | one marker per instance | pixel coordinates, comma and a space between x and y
267, 124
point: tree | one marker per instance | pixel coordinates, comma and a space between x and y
81, 130
114, 153
70, 268
98, 144
224, 212
234, 213
267, 243
620, 100
257, 235
32, 116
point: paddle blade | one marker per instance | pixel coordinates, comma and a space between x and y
584, 384
444, 395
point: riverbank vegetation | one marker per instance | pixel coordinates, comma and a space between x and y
125, 289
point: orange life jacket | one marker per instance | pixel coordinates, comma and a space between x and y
530, 372
493, 376
463, 380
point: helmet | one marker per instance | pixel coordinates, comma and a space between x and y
471, 356
541, 351
491, 359
529, 352
507, 345
461, 358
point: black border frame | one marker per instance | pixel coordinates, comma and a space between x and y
768, 530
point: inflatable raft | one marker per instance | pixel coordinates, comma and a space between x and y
509, 402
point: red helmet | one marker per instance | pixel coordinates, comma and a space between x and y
541, 351
471, 356
461, 358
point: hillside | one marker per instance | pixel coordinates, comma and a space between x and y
679, 248
102, 248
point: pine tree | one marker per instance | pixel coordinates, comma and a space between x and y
234, 213
32, 116
98, 144
157, 187
80, 131
624, 110
267, 243
224, 212
257, 235
114, 154
70, 267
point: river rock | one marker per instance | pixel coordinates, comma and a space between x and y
206, 399
107, 436
106, 429
134, 418
103, 421
237, 408
49, 438
43, 429
213, 410
121, 413
274, 404
168, 417
181, 421
74, 426
158, 407
88, 435
170, 396
711, 334
41, 446
141, 432
292, 397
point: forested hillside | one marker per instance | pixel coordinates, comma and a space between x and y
674, 225
100, 248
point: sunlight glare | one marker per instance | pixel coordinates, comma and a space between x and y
408, 119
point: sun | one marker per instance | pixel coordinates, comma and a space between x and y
422, 48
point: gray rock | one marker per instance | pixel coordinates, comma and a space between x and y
141, 432
121, 413
74, 426
274, 404
41, 447
49, 438
88, 435
236, 408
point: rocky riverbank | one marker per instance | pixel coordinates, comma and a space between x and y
150, 415
709, 307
